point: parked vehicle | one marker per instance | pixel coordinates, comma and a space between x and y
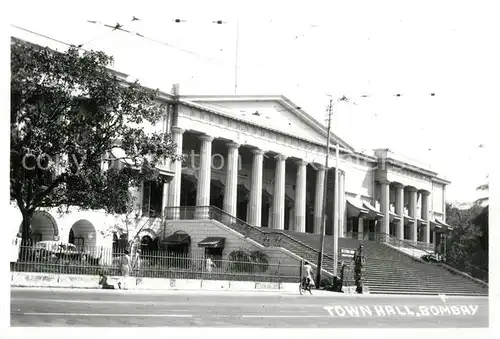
57, 250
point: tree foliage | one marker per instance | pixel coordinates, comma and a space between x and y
68, 111
467, 245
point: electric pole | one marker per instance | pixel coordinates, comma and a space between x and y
325, 193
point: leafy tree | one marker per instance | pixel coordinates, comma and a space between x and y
468, 243
68, 111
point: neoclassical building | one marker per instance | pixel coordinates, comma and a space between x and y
262, 159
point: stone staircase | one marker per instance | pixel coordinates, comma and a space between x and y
387, 270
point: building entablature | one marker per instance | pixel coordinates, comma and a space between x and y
199, 119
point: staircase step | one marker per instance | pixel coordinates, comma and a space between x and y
387, 270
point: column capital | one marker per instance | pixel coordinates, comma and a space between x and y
384, 181
233, 144
398, 185
177, 130
257, 151
281, 157
319, 167
301, 162
424, 193
411, 189
206, 137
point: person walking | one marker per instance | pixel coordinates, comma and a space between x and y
210, 264
125, 268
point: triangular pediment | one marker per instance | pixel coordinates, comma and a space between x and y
275, 112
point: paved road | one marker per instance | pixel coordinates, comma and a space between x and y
63, 307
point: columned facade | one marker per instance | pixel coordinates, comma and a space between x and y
255, 211
384, 205
425, 216
231, 187
174, 188
204, 176
318, 199
300, 197
400, 205
271, 193
413, 213
279, 193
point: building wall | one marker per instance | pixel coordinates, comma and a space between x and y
271, 114
194, 119
359, 179
199, 230
437, 198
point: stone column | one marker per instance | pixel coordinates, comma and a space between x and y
291, 213
361, 226
425, 216
164, 198
400, 207
300, 197
231, 187
384, 205
413, 212
270, 213
204, 173
255, 214
318, 199
174, 187
279, 193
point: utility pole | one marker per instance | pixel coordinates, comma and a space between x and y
336, 221
325, 193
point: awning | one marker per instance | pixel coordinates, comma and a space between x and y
435, 225
177, 239
393, 216
373, 213
356, 209
443, 224
212, 242
408, 219
421, 222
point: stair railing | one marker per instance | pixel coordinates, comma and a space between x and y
264, 237
402, 245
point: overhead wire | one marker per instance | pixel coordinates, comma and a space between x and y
122, 28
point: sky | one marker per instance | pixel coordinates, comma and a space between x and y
312, 52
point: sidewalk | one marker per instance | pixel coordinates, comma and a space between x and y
48, 280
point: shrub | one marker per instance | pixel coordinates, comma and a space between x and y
249, 262
240, 261
261, 259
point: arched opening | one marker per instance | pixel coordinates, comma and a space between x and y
83, 235
43, 227
149, 245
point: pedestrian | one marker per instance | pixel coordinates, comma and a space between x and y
125, 268
210, 264
137, 261
309, 273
